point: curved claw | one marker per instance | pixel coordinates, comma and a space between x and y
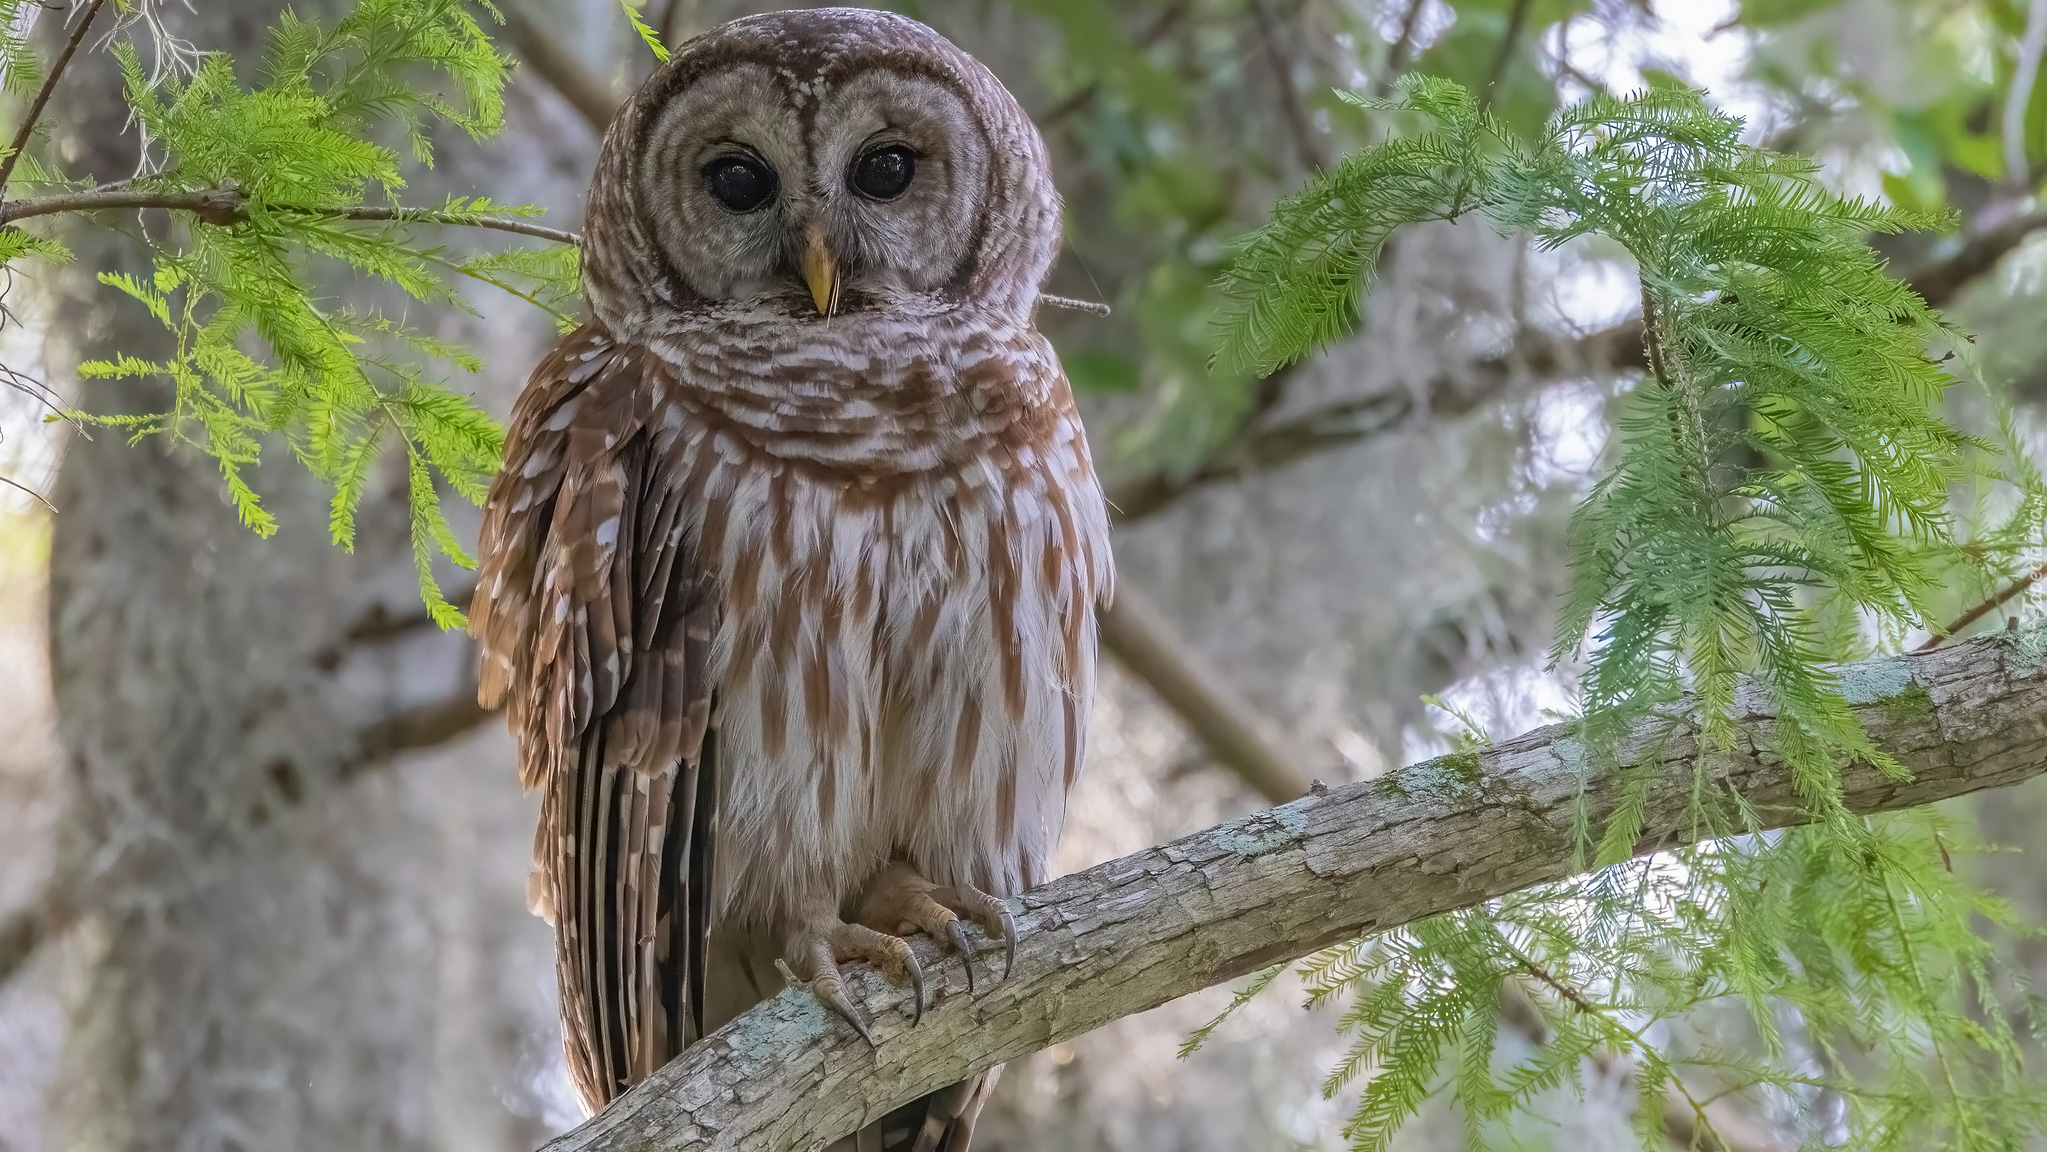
916, 988
1008, 942
958, 929
835, 999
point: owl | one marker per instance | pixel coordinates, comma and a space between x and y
790, 579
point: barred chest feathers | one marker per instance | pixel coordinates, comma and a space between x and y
906, 550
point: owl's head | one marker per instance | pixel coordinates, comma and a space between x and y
835, 161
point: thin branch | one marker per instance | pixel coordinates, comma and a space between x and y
225, 206
1136, 634
1339, 863
1073, 304
1516, 18
1078, 100
26, 132
664, 25
1680, 1111
1955, 626
1396, 58
38, 497
1305, 144
545, 53
1941, 281
1256, 448
1261, 448
420, 727
2019, 98
25, 932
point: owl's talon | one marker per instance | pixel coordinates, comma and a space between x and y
821, 947
991, 913
835, 999
957, 929
1008, 944
916, 988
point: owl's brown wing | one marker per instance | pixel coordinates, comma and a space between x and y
596, 633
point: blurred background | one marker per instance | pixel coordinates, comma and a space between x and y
262, 861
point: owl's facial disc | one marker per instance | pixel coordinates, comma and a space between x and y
850, 194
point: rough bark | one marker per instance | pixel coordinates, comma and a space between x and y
1133, 933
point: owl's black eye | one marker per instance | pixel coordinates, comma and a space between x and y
740, 183
883, 173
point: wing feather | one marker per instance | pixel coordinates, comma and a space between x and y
595, 630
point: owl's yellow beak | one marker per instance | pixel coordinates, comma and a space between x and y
820, 272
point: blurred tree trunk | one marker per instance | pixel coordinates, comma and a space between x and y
283, 944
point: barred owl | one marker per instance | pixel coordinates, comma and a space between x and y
790, 577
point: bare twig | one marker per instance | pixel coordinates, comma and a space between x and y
1261, 448
2019, 98
26, 132
1941, 281
225, 206
26, 931
1955, 626
38, 497
1281, 67
1136, 932
1136, 634
589, 94
1072, 304
423, 726
1509, 39
1078, 100
1396, 58
665, 24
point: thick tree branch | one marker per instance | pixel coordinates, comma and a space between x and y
224, 206
1136, 932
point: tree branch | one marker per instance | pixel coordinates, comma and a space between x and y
421, 726
1262, 448
594, 99
26, 132
1516, 18
1396, 58
1257, 448
1134, 933
1984, 608
24, 931
1135, 633
225, 206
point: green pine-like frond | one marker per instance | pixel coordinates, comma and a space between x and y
301, 152
1781, 483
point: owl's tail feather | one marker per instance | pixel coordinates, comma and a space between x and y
940, 1122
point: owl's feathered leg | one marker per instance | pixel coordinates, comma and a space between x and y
827, 941
897, 899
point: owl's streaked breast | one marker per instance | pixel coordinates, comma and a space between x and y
905, 548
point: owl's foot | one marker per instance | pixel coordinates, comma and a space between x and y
900, 900
820, 948
991, 913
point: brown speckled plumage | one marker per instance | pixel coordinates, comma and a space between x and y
777, 597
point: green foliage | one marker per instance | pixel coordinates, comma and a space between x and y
1779, 487
648, 36
295, 179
